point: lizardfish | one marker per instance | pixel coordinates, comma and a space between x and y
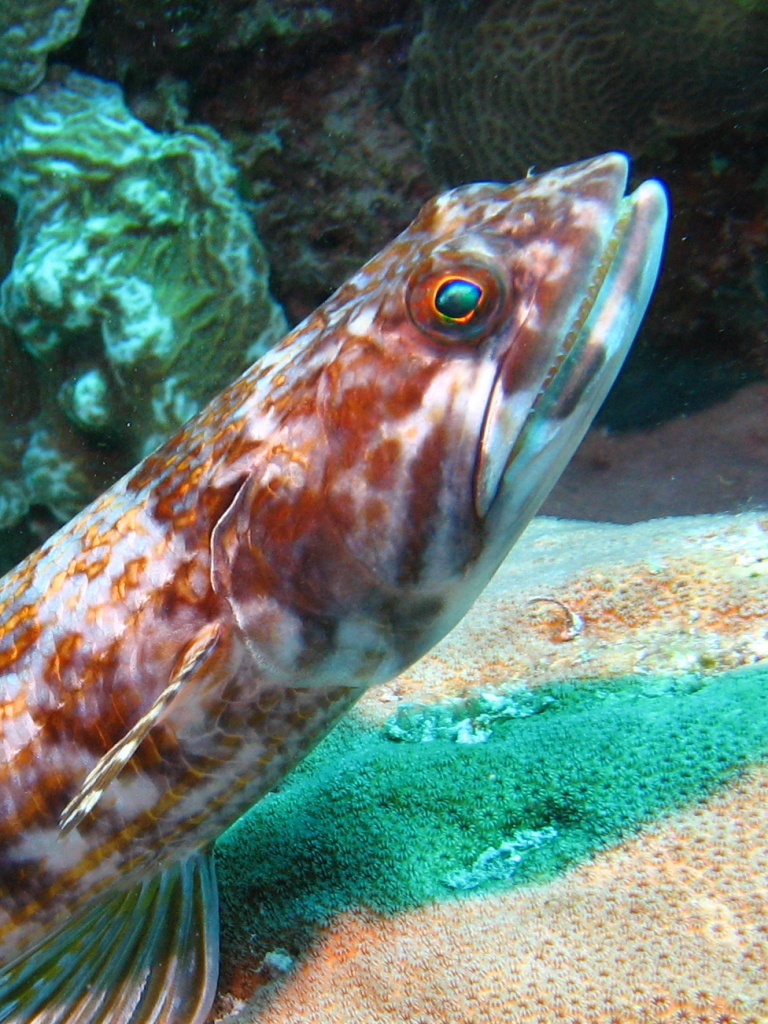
173, 651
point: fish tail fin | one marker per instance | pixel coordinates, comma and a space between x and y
147, 956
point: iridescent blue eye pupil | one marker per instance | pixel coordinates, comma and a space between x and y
457, 299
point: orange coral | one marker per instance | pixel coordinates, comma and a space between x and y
668, 928
668, 596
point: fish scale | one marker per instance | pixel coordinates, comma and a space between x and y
171, 653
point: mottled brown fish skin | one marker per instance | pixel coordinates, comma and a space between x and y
308, 534
92, 628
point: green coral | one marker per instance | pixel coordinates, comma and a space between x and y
366, 821
139, 285
29, 30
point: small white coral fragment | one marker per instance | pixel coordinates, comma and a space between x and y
500, 863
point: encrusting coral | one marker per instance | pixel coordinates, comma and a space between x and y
590, 851
685, 594
138, 286
29, 30
497, 87
668, 928
518, 803
508, 791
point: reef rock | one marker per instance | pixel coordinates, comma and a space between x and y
138, 287
497, 87
334, 172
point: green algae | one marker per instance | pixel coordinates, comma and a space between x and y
368, 820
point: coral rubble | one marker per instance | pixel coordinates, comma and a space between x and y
138, 286
496, 87
29, 30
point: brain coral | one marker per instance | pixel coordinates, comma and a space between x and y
495, 87
29, 29
138, 287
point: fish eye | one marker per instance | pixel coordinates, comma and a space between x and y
457, 299
456, 303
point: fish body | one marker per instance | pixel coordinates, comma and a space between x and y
173, 651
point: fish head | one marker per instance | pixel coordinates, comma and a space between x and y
432, 402
476, 350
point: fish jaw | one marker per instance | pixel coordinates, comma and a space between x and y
536, 419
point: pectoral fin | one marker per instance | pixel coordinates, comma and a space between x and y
117, 757
147, 956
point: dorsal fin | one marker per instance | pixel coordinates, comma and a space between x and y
117, 757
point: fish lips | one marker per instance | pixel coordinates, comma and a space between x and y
535, 418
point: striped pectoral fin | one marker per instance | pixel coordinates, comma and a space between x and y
148, 955
191, 663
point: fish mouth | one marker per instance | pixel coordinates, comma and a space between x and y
531, 430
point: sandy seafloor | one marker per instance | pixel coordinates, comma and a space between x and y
713, 460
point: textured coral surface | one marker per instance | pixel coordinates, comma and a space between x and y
498, 789
496, 87
29, 30
668, 928
138, 288
681, 594
608, 834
